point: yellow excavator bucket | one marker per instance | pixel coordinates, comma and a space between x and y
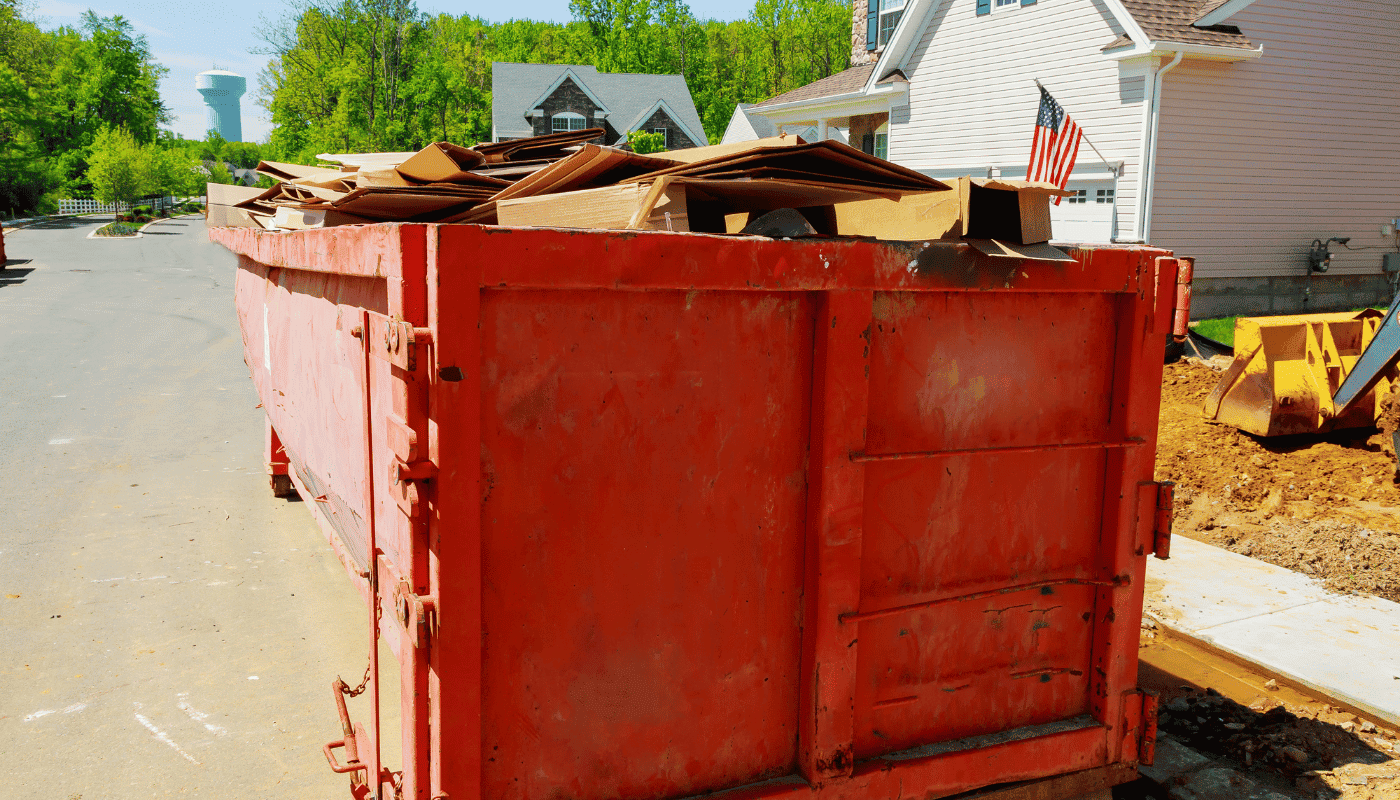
1287, 369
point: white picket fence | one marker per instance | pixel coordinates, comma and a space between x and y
84, 206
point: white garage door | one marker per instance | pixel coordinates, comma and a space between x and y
1087, 216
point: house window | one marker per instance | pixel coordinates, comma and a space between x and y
1079, 196
1103, 195
882, 142
566, 121
665, 137
890, 12
1005, 3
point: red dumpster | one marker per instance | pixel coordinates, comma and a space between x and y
651, 515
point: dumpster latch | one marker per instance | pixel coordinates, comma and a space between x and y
1162, 522
396, 341
416, 613
351, 735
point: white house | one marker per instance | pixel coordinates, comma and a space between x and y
1235, 131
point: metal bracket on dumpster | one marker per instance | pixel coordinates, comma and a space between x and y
396, 341
416, 613
1162, 525
1147, 745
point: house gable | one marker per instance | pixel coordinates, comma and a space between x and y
526, 98
661, 116
569, 96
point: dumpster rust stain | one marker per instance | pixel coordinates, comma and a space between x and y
524, 399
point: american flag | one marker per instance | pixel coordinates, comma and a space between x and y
1055, 144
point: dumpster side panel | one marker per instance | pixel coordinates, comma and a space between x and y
970, 492
642, 532
308, 369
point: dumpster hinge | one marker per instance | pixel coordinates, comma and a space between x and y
1162, 522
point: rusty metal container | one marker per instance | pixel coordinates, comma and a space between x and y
651, 515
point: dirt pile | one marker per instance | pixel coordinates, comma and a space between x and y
1332, 472
1327, 506
1287, 742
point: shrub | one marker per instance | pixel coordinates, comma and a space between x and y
118, 229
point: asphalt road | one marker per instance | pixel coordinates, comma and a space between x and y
169, 627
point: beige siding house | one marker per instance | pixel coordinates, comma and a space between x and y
1236, 131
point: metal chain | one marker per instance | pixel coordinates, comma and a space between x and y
358, 690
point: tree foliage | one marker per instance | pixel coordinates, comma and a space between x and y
58, 91
376, 75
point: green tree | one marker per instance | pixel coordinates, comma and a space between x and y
645, 142
119, 168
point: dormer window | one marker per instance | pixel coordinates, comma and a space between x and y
566, 121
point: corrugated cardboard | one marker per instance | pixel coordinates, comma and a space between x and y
1014, 212
221, 210
403, 204
441, 161
303, 218
278, 170
694, 154
589, 167
1032, 252
1009, 211
611, 207
549, 146
926, 215
358, 160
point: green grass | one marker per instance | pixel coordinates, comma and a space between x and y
118, 229
1221, 330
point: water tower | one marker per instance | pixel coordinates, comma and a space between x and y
221, 90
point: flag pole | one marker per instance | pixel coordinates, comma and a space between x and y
1112, 169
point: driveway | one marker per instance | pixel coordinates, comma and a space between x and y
169, 627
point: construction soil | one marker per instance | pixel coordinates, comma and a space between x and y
1283, 738
1327, 506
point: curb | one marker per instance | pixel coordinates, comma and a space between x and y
140, 232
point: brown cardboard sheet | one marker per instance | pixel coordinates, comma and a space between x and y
401, 204
694, 154
222, 209
588, 167
549, 146
1032, 252
611, 207
441, 161
280, 171
355, 161
826, 161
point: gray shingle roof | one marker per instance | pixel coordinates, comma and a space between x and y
627, 95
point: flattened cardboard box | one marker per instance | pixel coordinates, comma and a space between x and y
611, 207
1014, 212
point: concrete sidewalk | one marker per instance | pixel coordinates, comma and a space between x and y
1343, 646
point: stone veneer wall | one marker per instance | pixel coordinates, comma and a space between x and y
569, 97
859, 55
675, 137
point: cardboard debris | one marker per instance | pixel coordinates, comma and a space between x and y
778, 187
628, 206
548, 147
286, 172
221, 210
441, 161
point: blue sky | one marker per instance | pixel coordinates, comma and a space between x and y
189, 39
